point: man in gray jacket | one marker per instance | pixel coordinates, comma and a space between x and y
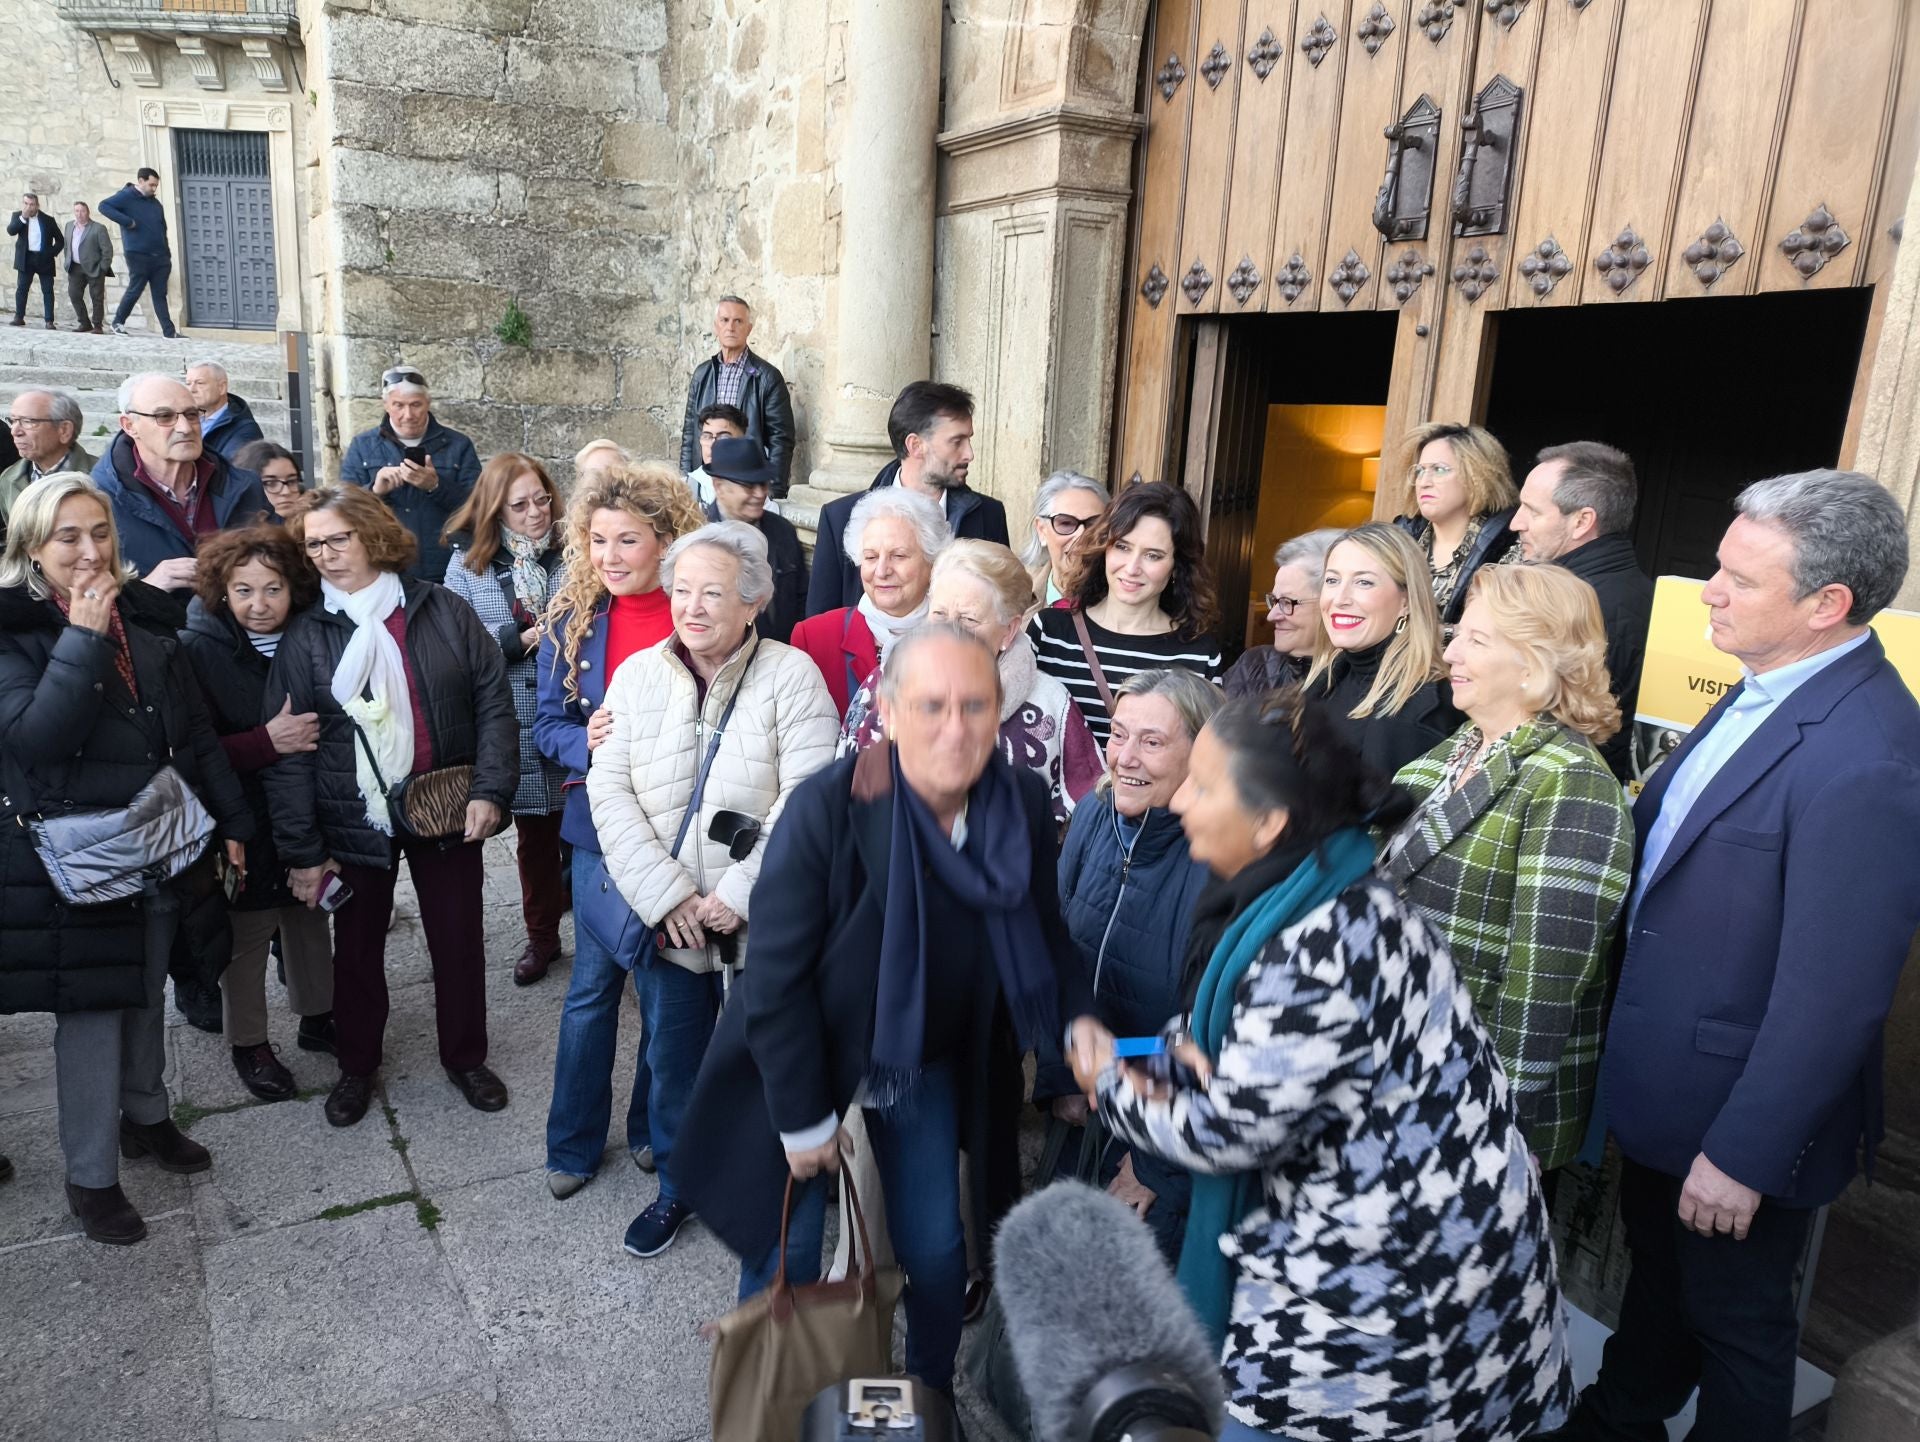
738, 377
89, 263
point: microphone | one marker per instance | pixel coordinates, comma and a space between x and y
1104, 1341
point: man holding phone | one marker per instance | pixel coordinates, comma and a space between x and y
423, 470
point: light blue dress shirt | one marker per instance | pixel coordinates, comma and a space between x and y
1759, 698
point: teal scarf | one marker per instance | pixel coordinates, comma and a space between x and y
1221, 1203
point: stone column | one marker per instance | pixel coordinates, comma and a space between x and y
885, 310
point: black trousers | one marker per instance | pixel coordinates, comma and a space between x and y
149, 273
1709, 1312
81, 286
23, 291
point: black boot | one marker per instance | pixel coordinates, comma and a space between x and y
6, 1170
106, 1215
316, 1033
262, 1074
165, 1143
349, 1100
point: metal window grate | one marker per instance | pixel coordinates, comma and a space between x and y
222, 154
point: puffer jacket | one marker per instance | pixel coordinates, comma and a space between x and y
72, 739
783, 729
318, 811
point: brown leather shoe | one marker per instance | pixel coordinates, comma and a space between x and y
534, 961
165, 1143
349, 1099
484, 1091
262, 1073
83, 329
106, 1215
99, 330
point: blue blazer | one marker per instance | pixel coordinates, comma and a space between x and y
560, 723
1761, 964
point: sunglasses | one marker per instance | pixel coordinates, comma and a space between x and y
402, 376
1068, 525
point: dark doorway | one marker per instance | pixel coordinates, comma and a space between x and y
1705, 395
226, 216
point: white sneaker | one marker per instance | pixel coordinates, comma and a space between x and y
119, 329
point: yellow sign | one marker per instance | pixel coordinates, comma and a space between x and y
1684, 673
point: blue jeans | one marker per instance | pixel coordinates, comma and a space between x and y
151, 274
582, 1102
918, 1156
679, 1008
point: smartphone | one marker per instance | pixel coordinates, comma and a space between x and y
1127, 1047
415, 455
232, 878
334, 893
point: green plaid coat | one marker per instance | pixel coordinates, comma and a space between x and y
1526, 870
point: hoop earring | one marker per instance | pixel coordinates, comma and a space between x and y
1401, 625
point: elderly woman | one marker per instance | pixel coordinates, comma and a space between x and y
712, 731
413, 707
1367, 1236
894, 536
610, 606
507, 544
95, 703
982, 587
279, 474
1522, 850
1376, 658
1142, 598
1293, 610
249, 585
1065, 509
1127, 891
1460, 497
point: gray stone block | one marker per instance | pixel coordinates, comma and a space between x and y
282, 1164
398, 182
1877, 1395
106, 1341
567, 75
488, 16
26, 1065
546, 139
203, 1062
636, 26
398, 53
379, 305
550, 377
308, 1321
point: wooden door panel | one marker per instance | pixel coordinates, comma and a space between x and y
1318, 51
1568, 104
1653, 80
1896, 180
1375, 44
1834, 142
1258, 151
1157, 267
1215, 81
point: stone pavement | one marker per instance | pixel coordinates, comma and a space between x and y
405, 1280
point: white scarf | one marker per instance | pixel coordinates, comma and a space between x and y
372, 662
888, 629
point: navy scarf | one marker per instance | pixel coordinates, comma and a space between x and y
991, 877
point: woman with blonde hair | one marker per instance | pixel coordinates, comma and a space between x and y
608, 605
1522, 849
982, 587
1376, 659
1460, 497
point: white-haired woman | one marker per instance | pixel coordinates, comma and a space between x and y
712, 730
894, 536
1293, 610
1065, 508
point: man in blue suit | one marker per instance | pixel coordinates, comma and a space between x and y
1773, 905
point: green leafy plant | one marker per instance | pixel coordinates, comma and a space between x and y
349, 1209
514, 327
428, 1213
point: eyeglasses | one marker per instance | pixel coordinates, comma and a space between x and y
334, 545
402, 376
168, 419
542, 502
1439, 470
1286, 605
18, 421
280, 483
1066, 524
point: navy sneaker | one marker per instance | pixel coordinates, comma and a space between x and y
654, 1229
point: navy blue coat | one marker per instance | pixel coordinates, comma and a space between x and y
425, 513
560, 722
1762, 961
234, 429
142, 220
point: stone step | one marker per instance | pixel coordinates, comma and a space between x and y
14, 378
101, 414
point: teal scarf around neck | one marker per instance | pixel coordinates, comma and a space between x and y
1220, 1203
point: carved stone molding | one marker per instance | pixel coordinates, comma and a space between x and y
1349, 277
204, 58
1620, 264
1196, 283
1244, 281
1264, 55
1319, 39
1545, 266
266, 64
1579, 4
1505, 11
1293, 279
1154, 288
1714, 253
1814, 242
1374, 29
1406, 273
1169, 76
1436, 18
1215, 67
139, 57
1475, 274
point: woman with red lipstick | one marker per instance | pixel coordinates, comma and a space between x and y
1141, 597
1460, 497
1376, 662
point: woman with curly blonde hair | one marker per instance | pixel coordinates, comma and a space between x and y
607, 606
1522, 849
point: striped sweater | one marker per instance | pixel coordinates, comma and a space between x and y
1061, 656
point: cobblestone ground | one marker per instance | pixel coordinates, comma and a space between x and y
405, 1280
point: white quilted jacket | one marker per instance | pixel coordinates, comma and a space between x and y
783, 730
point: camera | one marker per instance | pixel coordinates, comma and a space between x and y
888, 1409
